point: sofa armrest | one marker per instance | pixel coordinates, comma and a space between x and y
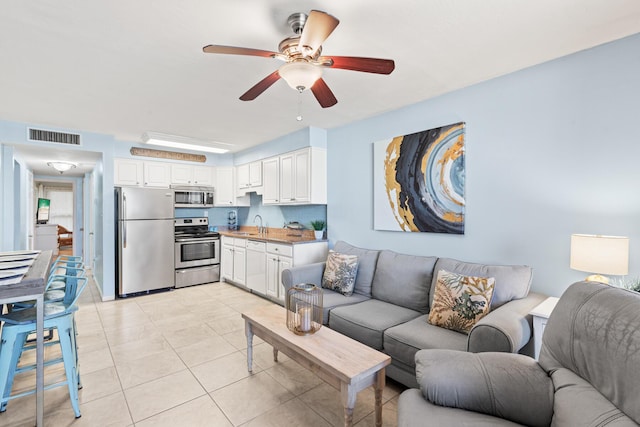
509, 386
507, 328
308, 273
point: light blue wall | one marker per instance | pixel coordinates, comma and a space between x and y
278, 216
307, 137
551, 150
7, 209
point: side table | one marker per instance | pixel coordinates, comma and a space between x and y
540, 314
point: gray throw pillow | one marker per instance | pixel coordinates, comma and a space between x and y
340, 273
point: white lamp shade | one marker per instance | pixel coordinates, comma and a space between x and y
300, 75
600, 254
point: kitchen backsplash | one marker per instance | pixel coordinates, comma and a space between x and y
272, 216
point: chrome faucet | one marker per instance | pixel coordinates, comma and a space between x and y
261, 229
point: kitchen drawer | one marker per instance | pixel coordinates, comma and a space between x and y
275, 248
226, 240
256, 246
239, 243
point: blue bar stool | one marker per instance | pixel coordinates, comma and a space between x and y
20, 323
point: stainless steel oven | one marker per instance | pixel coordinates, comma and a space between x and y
197, 252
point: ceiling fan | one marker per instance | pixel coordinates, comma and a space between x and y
303, 61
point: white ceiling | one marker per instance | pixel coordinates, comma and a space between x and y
125, 67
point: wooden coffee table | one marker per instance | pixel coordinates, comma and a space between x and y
346, 364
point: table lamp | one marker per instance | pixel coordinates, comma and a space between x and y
600, 255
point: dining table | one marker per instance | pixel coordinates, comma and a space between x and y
23, 276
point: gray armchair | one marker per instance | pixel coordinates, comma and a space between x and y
588, 374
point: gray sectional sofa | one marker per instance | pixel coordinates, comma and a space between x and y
393, 292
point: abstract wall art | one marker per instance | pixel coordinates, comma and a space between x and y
419, 181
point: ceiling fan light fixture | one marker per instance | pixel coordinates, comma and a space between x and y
300, 75
62, 166
183, 142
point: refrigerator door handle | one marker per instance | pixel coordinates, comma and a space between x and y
124, 222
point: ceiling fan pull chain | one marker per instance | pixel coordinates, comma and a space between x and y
299, 116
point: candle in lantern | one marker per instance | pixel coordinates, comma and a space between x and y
304, 314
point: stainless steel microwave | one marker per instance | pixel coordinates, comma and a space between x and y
193, 197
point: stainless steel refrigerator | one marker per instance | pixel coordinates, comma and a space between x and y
144, 239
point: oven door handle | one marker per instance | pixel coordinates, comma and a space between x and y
196, 239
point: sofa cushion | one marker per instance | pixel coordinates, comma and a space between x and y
367, 321
511, 386
332, 299
403, 280
340, 273
415, 411
367, 260
512, 281
401, 342
577, 403
460, 301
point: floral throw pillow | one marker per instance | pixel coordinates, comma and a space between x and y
460, 301
340, 273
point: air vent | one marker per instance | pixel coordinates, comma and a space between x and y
51, 136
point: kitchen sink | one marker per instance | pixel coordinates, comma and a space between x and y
243, 233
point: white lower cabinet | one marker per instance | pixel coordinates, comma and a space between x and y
256, 266
233, 265
275, 265
240, 262
226, 258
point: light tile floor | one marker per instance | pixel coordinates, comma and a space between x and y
179, 358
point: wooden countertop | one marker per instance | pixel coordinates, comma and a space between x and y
273, 235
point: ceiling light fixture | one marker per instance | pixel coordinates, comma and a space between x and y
62, 166
175, 141
300, 75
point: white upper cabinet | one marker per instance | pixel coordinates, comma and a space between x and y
138, 173
180, 174
271, 181
225, 190
191, 175
242, 176
203, 176
249, 177
303, 177
127, 172
157, 174
224, 194
255, 174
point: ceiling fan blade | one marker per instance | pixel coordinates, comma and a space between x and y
355, 63
323, 94
260, 87
232, 50
317, 28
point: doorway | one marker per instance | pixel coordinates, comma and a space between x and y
62, 220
